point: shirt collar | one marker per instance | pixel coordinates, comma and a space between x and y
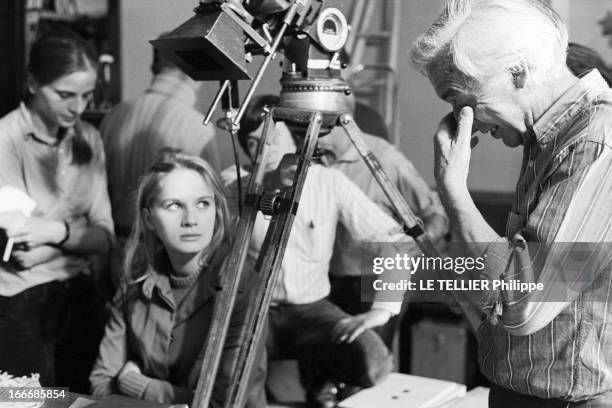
173, 87
30, 130
563, 111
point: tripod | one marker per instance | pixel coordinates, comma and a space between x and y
282, 207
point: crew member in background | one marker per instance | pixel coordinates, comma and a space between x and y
330, 345
337, 152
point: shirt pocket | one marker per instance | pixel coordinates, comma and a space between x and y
314, 240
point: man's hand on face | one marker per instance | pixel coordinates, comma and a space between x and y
452, 149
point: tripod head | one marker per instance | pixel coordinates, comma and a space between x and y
222, 37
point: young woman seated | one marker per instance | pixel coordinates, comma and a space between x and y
153, 344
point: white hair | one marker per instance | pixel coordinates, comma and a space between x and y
481, 38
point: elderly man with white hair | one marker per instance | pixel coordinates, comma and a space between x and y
501, 65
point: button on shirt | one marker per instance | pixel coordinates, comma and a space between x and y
561, 348
35, 163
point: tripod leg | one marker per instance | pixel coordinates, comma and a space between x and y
412, 224
268, 265
230, 279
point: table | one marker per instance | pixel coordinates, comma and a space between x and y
113, 401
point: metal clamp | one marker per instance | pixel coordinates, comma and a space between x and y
271, 203
414, 231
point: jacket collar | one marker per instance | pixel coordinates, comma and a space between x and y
157, 282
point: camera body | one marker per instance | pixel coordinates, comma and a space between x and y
216, 43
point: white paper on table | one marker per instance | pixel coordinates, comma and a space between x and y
402, 391
12, 199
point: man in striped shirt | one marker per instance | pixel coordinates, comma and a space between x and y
501, 65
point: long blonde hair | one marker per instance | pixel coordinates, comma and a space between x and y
143, 247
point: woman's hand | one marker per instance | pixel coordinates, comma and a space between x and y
34, 232
131, 382
28, 259
129, 367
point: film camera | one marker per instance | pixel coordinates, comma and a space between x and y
222, 36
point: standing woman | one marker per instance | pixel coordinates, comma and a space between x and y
152, 347
48, 153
